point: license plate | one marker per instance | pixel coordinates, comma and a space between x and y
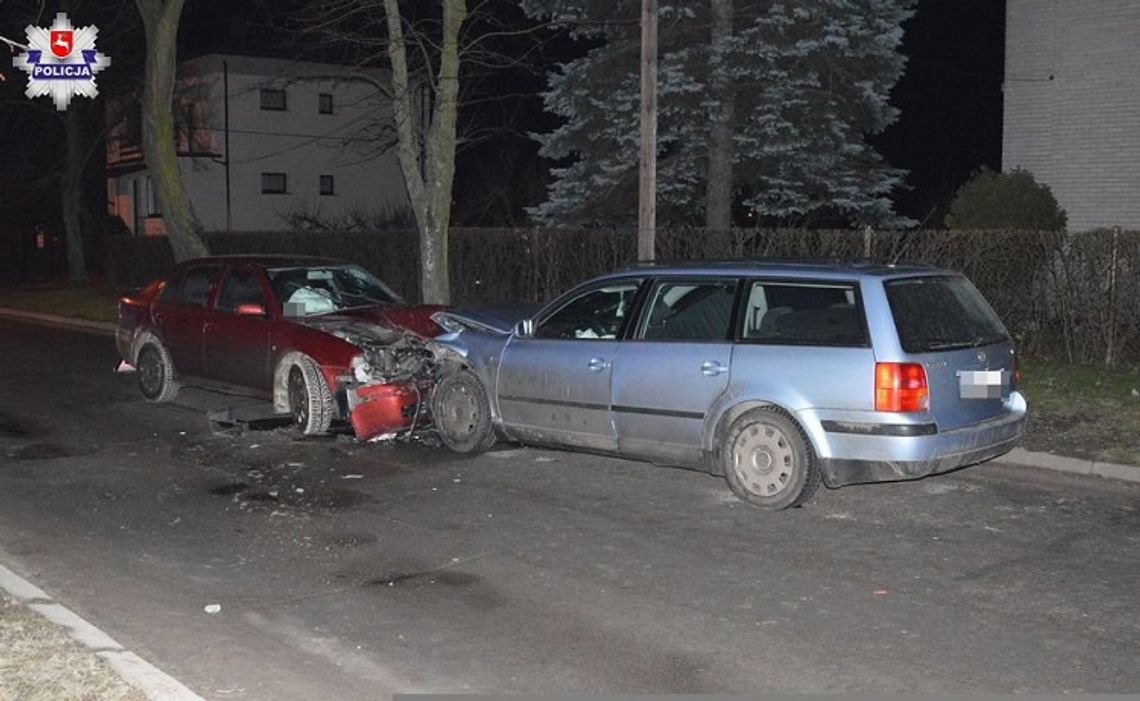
983, 384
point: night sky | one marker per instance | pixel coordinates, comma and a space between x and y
950, 97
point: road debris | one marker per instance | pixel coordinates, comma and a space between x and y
212, 608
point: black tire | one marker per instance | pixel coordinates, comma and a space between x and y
768, 461
310, 401
155, 373
462, 413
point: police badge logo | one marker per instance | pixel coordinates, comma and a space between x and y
61, 61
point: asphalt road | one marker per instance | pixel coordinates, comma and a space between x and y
351, 571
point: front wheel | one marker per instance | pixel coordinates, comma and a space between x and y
462, 413
310, 401
767, 460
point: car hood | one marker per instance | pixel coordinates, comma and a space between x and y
499, 317
417, 319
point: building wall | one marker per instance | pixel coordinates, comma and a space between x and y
1072, 105
299, 142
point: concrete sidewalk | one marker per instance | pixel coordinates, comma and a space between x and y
1018, 456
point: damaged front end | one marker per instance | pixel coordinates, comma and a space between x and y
390, 382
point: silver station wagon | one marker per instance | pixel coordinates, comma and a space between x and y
775, 375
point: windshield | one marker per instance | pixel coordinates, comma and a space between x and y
322, 289
942, 313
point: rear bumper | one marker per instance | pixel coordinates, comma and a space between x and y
890, 458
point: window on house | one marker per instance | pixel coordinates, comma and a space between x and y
272, 99
151, 198
324, 103
327, 185
273, 184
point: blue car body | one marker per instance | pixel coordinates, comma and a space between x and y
657, 362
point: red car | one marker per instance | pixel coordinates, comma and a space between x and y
324, 340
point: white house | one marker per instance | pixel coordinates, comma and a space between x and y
260, 139
1072, 105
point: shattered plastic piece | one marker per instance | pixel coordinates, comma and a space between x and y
382, 438
212, 608
352, 477
880, 592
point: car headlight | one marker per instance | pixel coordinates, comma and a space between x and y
361, 370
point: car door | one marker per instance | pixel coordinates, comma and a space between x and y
237, 330
554, 386
673, 367
179, 313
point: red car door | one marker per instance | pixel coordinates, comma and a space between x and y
178, 315
237, 329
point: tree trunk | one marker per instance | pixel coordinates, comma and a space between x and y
718, 186
160, 18
430, 190
72, 192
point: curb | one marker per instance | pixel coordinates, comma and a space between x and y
100, 327
1075, 466
1017, 456
152, 681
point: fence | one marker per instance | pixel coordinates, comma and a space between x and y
1072, 296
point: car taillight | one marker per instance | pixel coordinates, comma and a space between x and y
901, 387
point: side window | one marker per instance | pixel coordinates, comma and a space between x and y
806, 314
194, 288
689, 311
239, 287
169, 293
598, 313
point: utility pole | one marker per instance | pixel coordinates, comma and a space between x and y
647, 191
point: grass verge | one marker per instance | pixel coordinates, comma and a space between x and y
93, 304
38, 662
1083, 411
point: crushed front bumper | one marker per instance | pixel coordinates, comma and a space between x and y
382, 409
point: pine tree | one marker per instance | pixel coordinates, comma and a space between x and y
808, 82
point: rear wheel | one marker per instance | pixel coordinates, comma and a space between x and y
768, 462
310, 401
462, 413
156, 373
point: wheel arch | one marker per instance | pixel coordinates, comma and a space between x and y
143, 338
723, 423
285, 363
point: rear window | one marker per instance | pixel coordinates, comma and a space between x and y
942, 313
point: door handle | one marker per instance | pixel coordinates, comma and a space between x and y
597, 364
712, 368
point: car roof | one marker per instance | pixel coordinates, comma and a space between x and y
784, 267
267, 260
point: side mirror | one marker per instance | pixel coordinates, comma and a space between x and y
525, 328
251, 309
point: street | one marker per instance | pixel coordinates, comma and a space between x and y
349, 570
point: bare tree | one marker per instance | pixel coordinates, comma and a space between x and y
429, 190
437, 59
160, 20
